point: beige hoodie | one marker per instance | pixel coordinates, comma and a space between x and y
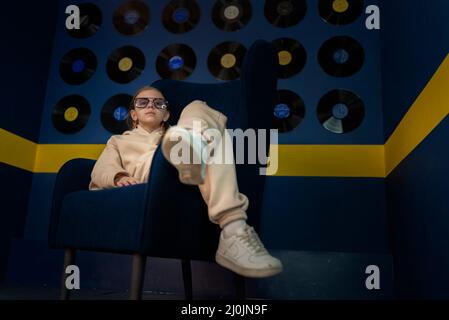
130, 153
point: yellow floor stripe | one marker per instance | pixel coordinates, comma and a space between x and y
17, 151
429, 109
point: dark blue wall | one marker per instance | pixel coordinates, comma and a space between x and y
27, 31
415, 40
27, 36
14, 201
419, 210
326, 214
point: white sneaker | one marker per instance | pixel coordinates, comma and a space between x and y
193, 170
245, 254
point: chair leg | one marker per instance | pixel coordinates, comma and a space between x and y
69, 259
137, 276
187, 278
240, 287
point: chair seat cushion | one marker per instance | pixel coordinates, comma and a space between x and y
106, 220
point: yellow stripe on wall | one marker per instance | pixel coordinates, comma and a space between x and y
429, 109
51, 157
17, 151
330, 160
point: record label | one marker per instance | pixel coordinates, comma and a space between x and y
340, 6
231, 12
285, 57
175, 63
284, 8
228, 60
78, 66
71, 114
131, 17
180, 15
125, 64
282, 111
340, 111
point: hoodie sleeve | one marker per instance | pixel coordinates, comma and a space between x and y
108, 165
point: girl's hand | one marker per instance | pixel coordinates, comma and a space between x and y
125, 181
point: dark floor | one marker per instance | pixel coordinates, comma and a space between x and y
43, 293
18, 293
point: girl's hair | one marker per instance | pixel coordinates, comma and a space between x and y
133, 124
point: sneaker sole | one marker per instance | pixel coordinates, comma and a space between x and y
188, 173
246, 272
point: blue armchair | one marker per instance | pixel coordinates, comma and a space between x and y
133, 220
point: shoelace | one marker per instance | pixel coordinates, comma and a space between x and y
251, 238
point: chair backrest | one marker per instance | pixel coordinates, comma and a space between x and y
247, 102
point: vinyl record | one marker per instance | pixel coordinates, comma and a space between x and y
70, 114
77, 66
180, 16
289, 111
225, 60
340, 12
285, 13
131, 17
292, 57
231, 15
125, 64
90, 21
341, 56
176, 61
114, 114
340, 111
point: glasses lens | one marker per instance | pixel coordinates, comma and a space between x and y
141, 102
159, 103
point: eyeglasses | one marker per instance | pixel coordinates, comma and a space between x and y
158, 103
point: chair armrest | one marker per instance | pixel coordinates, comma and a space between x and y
73, 176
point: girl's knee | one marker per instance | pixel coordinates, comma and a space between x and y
197, 108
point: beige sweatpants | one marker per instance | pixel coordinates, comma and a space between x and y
219, 190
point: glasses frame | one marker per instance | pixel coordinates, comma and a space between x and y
150, 102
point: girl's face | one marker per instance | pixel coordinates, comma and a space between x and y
150, 117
